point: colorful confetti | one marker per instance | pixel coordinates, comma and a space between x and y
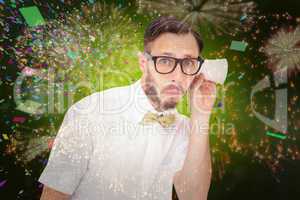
32, 16
2, 183
5, 136
238, 45
53, 53
18, 119
276, 135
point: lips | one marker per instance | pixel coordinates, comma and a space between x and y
172, 90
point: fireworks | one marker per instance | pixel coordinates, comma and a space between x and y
283, 50
73, 52
67, 59
225, 16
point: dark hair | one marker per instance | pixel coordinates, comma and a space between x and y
171, 24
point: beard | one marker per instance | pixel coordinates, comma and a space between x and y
153, 95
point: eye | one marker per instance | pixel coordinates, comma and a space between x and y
188, 62
165, 61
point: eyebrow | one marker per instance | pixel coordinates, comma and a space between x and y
171, 54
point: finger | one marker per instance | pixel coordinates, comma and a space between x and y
197, 81
207, 83
210, 81
208, 87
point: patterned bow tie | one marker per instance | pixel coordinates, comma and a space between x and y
164, 120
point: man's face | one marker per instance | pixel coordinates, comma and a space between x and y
166, 90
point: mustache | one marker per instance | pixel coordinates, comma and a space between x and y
174, 86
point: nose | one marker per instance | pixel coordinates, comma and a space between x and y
177, 73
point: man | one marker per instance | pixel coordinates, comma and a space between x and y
109, 148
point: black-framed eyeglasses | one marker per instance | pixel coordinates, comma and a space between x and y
167, 64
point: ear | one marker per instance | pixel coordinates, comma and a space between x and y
142, 61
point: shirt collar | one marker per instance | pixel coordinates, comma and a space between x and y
142, 103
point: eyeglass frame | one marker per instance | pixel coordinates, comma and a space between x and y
177, 60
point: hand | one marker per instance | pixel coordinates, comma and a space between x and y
202, 95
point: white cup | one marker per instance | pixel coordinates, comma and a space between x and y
215, 70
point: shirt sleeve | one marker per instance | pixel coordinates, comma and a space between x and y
179, 156
69, 157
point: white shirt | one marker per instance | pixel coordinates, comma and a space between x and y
102, 152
